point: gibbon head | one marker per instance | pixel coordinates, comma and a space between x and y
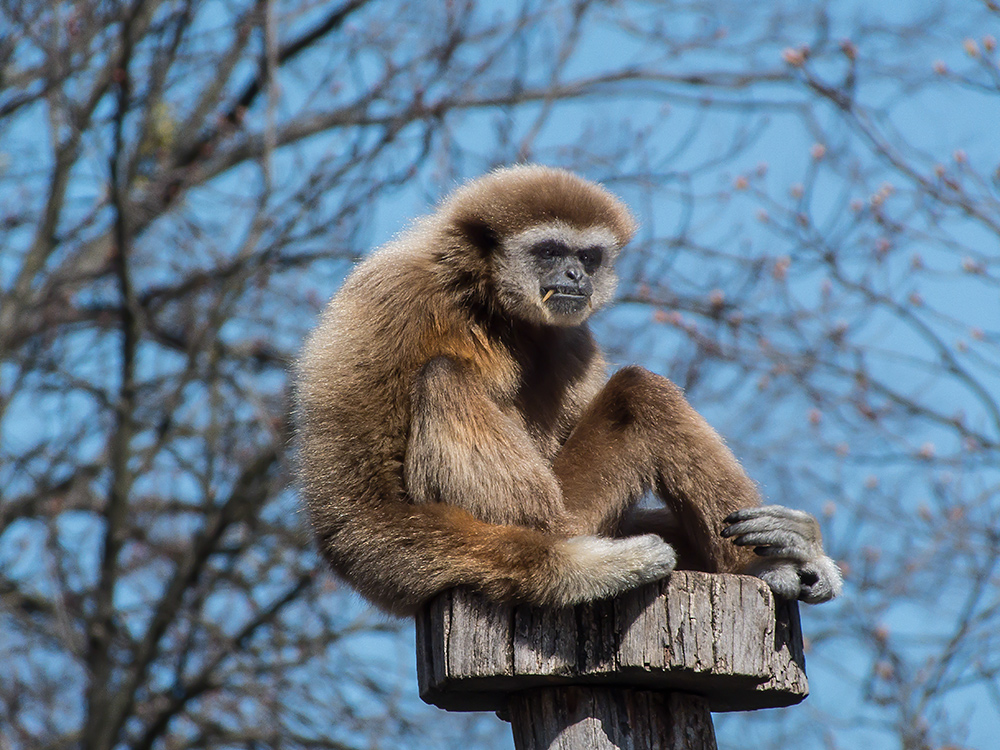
548, 238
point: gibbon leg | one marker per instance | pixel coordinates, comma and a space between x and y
638, 434
467, 463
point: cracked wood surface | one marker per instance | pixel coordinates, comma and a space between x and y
721, 637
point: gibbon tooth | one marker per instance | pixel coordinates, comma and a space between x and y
547, 295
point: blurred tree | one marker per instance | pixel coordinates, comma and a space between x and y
184, 183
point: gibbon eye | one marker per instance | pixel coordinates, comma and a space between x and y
591, 258
549, 250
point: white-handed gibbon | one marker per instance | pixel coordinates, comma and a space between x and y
455, 425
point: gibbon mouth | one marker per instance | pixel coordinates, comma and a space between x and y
564, 302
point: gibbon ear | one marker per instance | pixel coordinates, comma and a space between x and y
479, 234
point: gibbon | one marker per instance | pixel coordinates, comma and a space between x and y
455, 426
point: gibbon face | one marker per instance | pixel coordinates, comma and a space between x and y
548, 237
556, 274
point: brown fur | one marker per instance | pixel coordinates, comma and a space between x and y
443, 441
509, 201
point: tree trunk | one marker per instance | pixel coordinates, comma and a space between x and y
601, 718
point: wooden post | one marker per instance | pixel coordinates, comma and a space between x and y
639, 672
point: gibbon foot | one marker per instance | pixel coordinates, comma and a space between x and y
790, 547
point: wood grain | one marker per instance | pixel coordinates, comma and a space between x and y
601, 718
716, 636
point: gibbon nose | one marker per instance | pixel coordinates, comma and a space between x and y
570, 278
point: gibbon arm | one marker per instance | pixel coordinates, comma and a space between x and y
464, 451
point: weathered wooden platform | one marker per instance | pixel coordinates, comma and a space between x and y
717, 636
